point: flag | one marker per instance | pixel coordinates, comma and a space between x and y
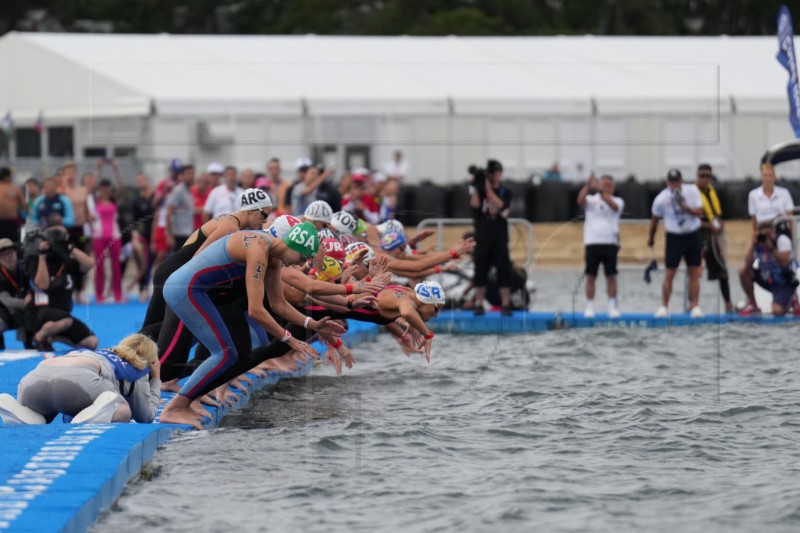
787, 58
39, 126
8, 124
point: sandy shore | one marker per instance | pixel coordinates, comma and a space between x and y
561, 244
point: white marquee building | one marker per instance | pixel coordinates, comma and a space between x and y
628, 105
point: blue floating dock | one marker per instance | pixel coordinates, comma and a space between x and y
59, 477
465, 322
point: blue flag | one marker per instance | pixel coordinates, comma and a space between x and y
787, 58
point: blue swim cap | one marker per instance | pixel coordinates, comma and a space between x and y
392, 241
429, 292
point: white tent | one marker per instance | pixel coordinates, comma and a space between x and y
530, 99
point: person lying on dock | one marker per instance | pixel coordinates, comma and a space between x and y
91, 386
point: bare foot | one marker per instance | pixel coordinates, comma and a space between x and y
258, 372
224, 396
206, 399
170, 386
201, 411
180, 416
143, 297
237, 384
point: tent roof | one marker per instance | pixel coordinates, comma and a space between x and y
112, 75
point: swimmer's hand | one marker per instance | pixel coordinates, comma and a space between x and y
426, 345
424, 234
376, 285
465, 246
347, 355
304, 348
332, 358
378, 266
365, 301
327, 327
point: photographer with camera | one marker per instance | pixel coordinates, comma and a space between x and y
491, 203
769, 263
681, 207
51, 263
13, 288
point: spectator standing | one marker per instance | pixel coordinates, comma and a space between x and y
681, 207
553, 173
279, 186
398, 168
32, 191
180, 210
711, 230
200, 191
142, 234
360, 201
106, 239
769, 201
52, 208
601, 238
247, 179
224, 197
490, 203
12, 205
215, 171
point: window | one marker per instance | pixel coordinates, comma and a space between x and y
59, 141
124, 151
356, 156
29, 142
94, 151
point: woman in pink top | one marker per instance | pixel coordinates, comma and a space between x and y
106, 238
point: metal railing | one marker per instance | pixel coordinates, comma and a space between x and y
440, 223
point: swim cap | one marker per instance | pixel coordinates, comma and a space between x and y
326, 233
390, 226
330, 269
353, 249
361, 227
319, 211
253, 199
429, 292
334, 248
344, 222
303, 238
282, 225
392, 241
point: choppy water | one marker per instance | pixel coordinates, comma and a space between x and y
684, 429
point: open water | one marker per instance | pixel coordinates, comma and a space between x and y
681, 429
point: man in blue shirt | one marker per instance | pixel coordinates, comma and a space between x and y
51, 208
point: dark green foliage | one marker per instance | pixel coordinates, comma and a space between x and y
406, 17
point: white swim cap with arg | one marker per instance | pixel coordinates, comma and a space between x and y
429, 292
253, 199
320, 211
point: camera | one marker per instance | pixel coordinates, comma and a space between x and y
762, 238
478, 177
58, 239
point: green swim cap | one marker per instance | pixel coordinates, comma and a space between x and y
361, 228
303, 238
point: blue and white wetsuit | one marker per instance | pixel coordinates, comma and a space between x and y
185, 292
